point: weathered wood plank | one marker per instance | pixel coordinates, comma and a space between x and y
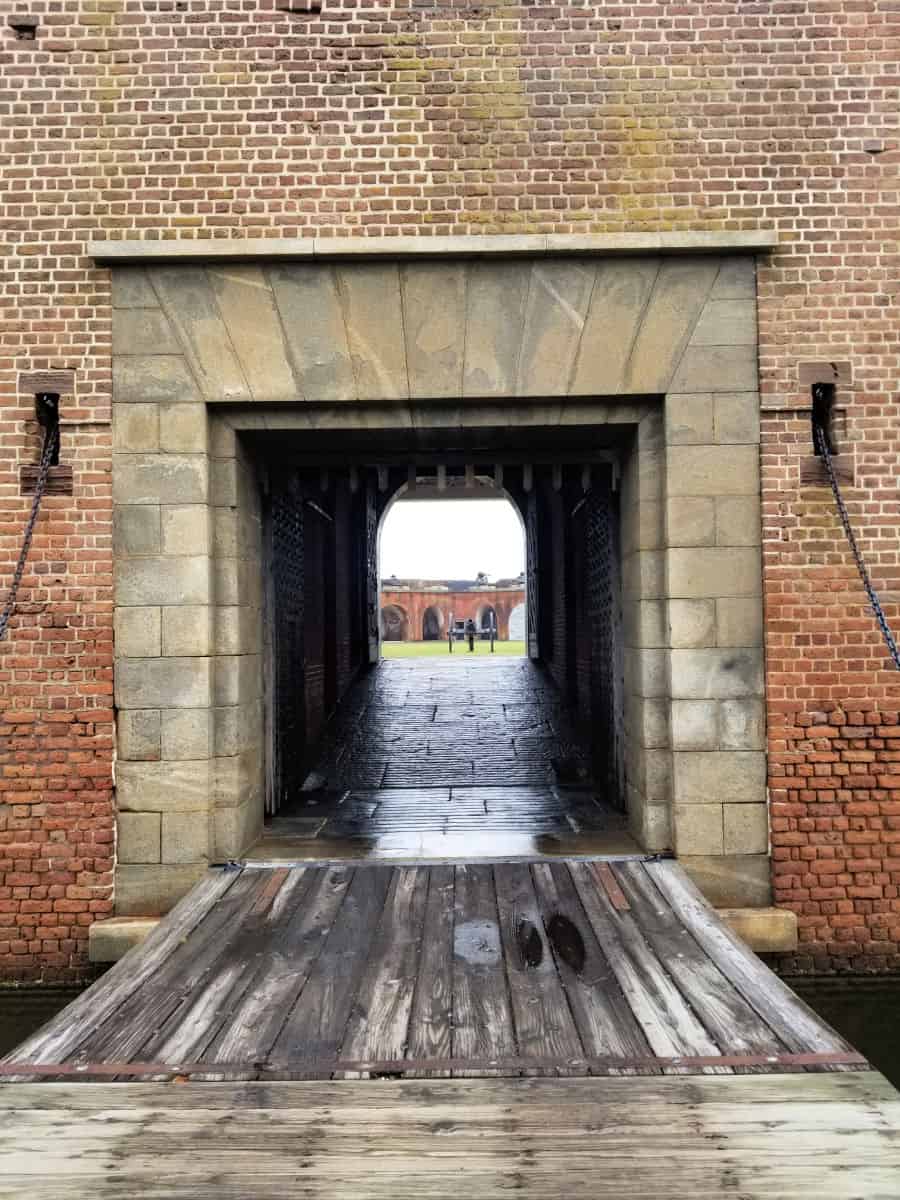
380, 1021
605, 1022
60, 1037
580, 1139
866, 1091
256, 1023
189, 1032
729, 1019
543, 1020
670, 1026
482, 1016
792, 1020
429, 1027
137, 1020
315, 1027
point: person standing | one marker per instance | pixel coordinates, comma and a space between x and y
470, 634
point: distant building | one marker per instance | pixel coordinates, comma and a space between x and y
423, 610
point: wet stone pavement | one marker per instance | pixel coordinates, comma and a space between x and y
433, 756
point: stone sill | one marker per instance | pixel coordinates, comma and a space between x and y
186, 250
765, 930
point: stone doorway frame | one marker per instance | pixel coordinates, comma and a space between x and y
212, 338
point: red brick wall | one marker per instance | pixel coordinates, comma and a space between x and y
127, 117
458, 605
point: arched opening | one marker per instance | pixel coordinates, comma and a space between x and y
432, 624
487, 620
517, 623
394, 623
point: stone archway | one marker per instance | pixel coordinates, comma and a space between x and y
394, 624
432, 624
654, 337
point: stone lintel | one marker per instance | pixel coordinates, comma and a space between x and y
188, 250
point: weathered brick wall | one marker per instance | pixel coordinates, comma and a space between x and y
126, 117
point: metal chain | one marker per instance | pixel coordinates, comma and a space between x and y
822, 443
51, 436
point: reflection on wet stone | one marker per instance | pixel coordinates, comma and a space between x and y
445, 758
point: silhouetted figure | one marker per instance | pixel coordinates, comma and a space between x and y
470, 634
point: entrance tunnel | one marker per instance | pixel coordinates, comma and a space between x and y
444, 753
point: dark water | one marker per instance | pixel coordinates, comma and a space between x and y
24, 1010
865, 1011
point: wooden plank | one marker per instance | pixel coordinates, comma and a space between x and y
606, 1024
561, 1139
670, 1026
184, 1068
257, 1021
379, 1025
429, 1027
482, 1016
314, 1029
241, 954
728, 1018
868, 1092
610, 885
798, 1027
544, 1026
62, 1036
137, 1020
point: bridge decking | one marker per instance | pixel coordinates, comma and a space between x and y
553, 1030
556, 968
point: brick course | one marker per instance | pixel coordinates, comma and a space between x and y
163, 120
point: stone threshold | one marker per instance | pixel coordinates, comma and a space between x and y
765, 930
185, 250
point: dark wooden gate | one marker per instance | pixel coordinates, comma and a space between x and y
604, 612
285, 613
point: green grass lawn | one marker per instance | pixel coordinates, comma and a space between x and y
435, 649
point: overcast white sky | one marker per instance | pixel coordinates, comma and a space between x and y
452, 539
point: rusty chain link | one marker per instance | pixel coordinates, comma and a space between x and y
824, 451
51, 437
